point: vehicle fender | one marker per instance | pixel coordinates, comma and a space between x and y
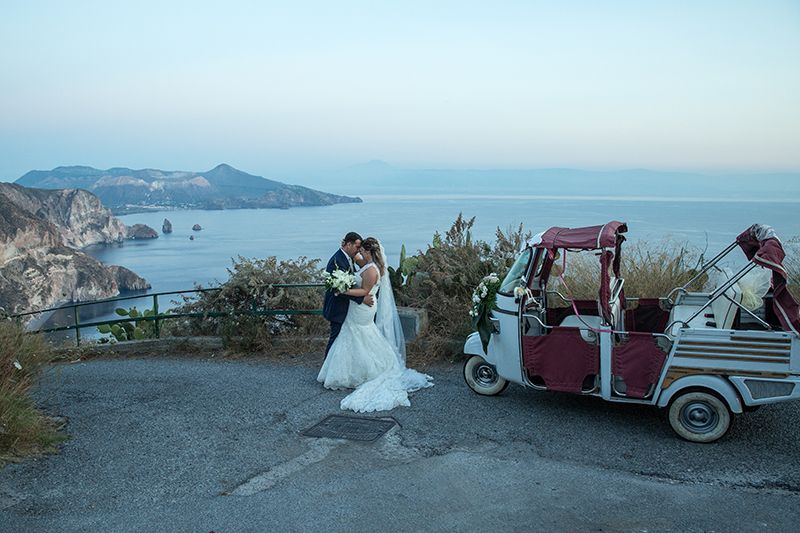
473, 345
715, 383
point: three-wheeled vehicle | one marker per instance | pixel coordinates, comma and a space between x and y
702, 355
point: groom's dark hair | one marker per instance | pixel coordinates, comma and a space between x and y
351, 237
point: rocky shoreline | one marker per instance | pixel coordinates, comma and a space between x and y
42, 233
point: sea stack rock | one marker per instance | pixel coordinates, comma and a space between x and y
196, 227
191, 237
140, 231
167, 226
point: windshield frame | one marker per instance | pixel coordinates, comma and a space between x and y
524, 275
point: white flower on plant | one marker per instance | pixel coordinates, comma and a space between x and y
17, 365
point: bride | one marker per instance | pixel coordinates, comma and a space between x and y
369, 353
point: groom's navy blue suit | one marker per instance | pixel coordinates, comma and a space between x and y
334, 309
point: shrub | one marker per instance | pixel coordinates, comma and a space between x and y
251, 287
507, 246
446, 274
23, 429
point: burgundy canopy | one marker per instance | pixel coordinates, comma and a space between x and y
590, 238
608, 236
760, 244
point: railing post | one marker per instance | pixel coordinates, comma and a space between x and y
77, 325
155, 313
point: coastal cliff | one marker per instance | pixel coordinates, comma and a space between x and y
40, 236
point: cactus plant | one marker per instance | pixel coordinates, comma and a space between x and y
405, 269
134, 329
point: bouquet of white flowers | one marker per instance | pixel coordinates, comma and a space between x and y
484, 299
484, 296
339, 281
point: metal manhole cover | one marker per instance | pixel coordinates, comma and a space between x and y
351, 427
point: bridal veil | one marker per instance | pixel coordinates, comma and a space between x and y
386, 318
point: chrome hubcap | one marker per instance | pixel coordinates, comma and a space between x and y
484, 375
699, 417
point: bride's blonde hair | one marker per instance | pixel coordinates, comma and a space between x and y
371, 245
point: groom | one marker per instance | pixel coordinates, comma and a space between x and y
335, 307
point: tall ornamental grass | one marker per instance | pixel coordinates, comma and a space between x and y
23, 428
650, 270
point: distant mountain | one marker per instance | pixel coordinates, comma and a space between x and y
125, 190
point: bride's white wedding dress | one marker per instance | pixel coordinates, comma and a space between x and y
361, 357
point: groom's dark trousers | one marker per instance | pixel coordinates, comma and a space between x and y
334, 309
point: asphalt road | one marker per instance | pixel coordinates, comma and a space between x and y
208, 445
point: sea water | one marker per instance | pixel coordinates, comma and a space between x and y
176, 262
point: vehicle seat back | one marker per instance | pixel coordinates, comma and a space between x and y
584, 322
617, 313
724, 309
720, 314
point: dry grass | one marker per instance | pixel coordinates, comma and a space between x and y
650, 270
23, 429
653, 270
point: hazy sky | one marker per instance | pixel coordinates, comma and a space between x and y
300, 86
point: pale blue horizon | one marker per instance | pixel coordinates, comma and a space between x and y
312, 86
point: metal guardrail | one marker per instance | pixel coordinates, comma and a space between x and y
158, 317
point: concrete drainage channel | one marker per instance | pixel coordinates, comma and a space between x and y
328, 434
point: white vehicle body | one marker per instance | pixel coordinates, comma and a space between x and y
704, 364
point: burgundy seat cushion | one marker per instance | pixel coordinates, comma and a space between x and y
648, 316
638, 361
561, 358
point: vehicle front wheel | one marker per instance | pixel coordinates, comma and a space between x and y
699, 416
483, 377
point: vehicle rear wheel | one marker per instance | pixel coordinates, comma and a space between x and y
699, 416
483, 377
